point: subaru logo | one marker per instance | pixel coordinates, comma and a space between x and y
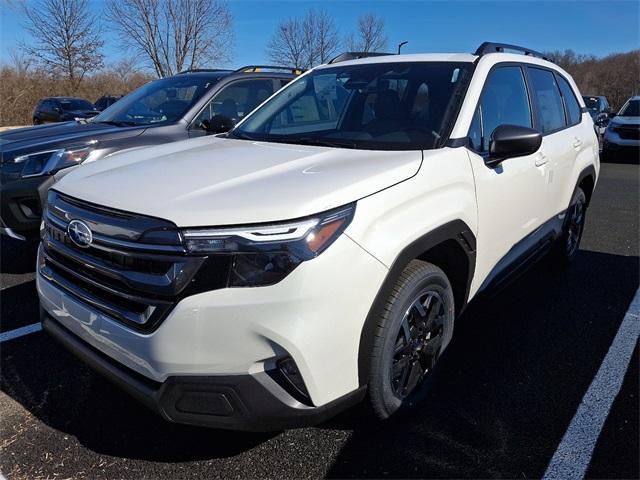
79, 233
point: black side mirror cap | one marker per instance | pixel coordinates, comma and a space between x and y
218, 124
508, 141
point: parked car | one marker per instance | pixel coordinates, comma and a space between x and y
190, 104
106, 101
323, 248
599, 110
63, 109
623, 132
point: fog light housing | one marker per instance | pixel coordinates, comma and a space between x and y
287, 375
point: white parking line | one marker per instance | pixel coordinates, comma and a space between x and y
572, 458
20, 332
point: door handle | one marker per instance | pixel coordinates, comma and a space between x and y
541, 159
577, 142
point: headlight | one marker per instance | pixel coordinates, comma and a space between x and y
50, 161
265, 254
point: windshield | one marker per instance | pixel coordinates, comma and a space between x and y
379, 106
166, 100
631, 109
75, 104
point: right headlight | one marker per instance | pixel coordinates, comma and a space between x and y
50, 161
265, 254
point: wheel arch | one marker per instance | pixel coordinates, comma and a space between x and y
452, 247
587, 182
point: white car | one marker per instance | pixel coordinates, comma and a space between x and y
321, 251
623, 131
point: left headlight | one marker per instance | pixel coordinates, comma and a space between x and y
265, 254
50, 161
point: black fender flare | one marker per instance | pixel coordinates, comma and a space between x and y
589, 171
456, 230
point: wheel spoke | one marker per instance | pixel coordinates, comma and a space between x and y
420, 308
412, 378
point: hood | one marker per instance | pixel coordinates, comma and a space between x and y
56, 135
214, 181
625, 121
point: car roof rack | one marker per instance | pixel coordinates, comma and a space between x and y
259, 68
343, 57
208, 70
492, 47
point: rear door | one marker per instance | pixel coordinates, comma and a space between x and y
512, 203
558, 117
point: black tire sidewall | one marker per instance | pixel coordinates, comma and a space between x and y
579, 195
429, 278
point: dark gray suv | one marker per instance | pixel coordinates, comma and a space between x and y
190, 104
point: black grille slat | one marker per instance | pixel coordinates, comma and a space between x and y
134, 282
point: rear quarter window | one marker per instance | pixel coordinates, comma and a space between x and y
570, 101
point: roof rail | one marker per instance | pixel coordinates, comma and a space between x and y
343, 57
196, 70
491, 47
256, 68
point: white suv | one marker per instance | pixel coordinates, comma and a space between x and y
321, 251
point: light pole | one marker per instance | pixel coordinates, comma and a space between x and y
400, 46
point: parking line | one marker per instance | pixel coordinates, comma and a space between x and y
20, 332
573, 455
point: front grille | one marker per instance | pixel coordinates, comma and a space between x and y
122, 273
631, 132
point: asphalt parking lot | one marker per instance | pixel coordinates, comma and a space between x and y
503, 396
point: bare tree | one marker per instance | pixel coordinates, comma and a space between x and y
66, 37
304, 42
370, 36
174, 35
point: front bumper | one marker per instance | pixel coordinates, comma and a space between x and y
21, 204
613, 141
314, 316
250, 402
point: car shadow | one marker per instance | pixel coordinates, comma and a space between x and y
627, 157
508, 385
17, 257
502, 395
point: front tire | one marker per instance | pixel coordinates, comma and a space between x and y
414, 328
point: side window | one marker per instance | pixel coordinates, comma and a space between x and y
570, 102
504, 101
547, 98
236, 100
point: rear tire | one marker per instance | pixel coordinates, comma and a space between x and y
567, 246
414, 328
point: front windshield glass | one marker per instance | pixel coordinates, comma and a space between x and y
161, 101
631, 109
71, 104
378, 106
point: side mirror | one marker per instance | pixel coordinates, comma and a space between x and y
509, 141
218, 124
602, 119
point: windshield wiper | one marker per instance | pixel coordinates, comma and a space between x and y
317, 142
119, 123
239, 135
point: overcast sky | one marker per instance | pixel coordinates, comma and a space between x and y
598, 27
